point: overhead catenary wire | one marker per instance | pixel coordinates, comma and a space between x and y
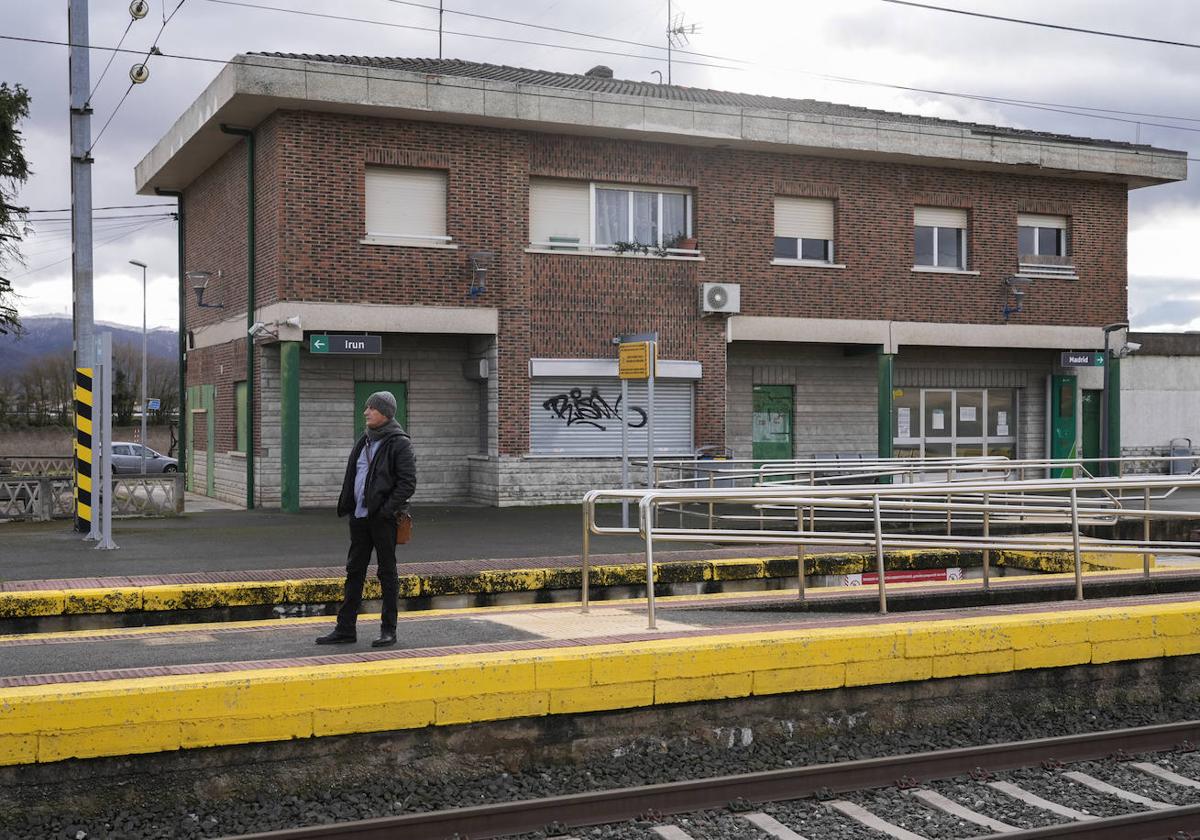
1053, 107
1044, 25
108, 207
152, 51
1071, 110
444, 82
101, 218
104, 72
562, 31
414, 27
98, 245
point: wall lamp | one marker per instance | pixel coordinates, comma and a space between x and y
199, 281
480, 262
1016, 285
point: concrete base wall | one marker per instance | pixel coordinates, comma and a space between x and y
836, 393
444, 419
1160, 400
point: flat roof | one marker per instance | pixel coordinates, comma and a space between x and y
252, 86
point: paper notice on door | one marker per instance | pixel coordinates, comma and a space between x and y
939, 420
904, 422
966, 414
1002, 430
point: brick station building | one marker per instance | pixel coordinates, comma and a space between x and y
822, 278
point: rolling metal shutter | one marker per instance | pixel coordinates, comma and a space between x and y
939, 217
559, 209
580, 416
804, 218
406, 202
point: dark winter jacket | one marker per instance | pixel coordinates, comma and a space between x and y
391, 478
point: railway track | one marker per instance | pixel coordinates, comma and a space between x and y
737, 806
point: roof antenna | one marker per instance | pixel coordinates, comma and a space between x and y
677, 34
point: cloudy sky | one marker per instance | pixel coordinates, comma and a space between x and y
784, 47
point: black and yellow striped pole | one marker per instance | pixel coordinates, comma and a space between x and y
83, 450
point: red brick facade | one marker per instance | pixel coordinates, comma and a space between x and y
311, 220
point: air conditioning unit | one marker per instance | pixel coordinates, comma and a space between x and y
720, 298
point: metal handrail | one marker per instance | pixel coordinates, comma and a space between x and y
878, 499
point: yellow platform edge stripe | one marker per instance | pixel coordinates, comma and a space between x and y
166, 597
147, 715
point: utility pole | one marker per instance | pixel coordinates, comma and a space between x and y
441, 14
81, 224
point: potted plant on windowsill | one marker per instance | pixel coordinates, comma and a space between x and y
622, 247
684, 243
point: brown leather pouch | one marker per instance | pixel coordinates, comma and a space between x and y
403, 528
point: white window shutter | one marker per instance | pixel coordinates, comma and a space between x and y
939, 217
559, 209
1034, 220
803, 218
406, 202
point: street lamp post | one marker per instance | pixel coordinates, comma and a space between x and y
142, 265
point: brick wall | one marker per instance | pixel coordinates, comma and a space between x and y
311, 220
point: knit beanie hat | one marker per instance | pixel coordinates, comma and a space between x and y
384, 403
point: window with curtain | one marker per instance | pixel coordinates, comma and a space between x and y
657, 218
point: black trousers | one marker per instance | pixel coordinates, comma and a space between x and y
378, 533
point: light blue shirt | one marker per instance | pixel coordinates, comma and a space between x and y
360, 477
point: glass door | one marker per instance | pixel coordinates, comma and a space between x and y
938, 414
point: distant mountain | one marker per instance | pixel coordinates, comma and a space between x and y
46, 335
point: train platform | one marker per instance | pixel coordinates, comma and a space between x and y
191, 686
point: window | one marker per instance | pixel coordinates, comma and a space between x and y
949, 422
406, 206
804, 229
559, 214
239, 406
1042, 236
575, 215
940, 238
646, 216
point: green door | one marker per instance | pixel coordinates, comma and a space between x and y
362, 390
202, 403
772, 425
1062, 421
1091, 430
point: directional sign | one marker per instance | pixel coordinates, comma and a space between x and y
1086, 359
153, 404
369, 345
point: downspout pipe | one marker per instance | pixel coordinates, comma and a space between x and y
181, 433
250, 298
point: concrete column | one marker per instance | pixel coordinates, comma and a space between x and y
1113, 409
885, 405
289, 423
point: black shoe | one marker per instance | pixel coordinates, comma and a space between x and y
337, 637
387, 638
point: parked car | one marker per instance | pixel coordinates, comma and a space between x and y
127, 458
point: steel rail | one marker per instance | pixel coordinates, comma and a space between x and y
1145, 825
905, 499
599, 807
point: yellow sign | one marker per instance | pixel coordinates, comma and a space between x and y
635, 358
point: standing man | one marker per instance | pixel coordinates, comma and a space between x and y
381, 476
